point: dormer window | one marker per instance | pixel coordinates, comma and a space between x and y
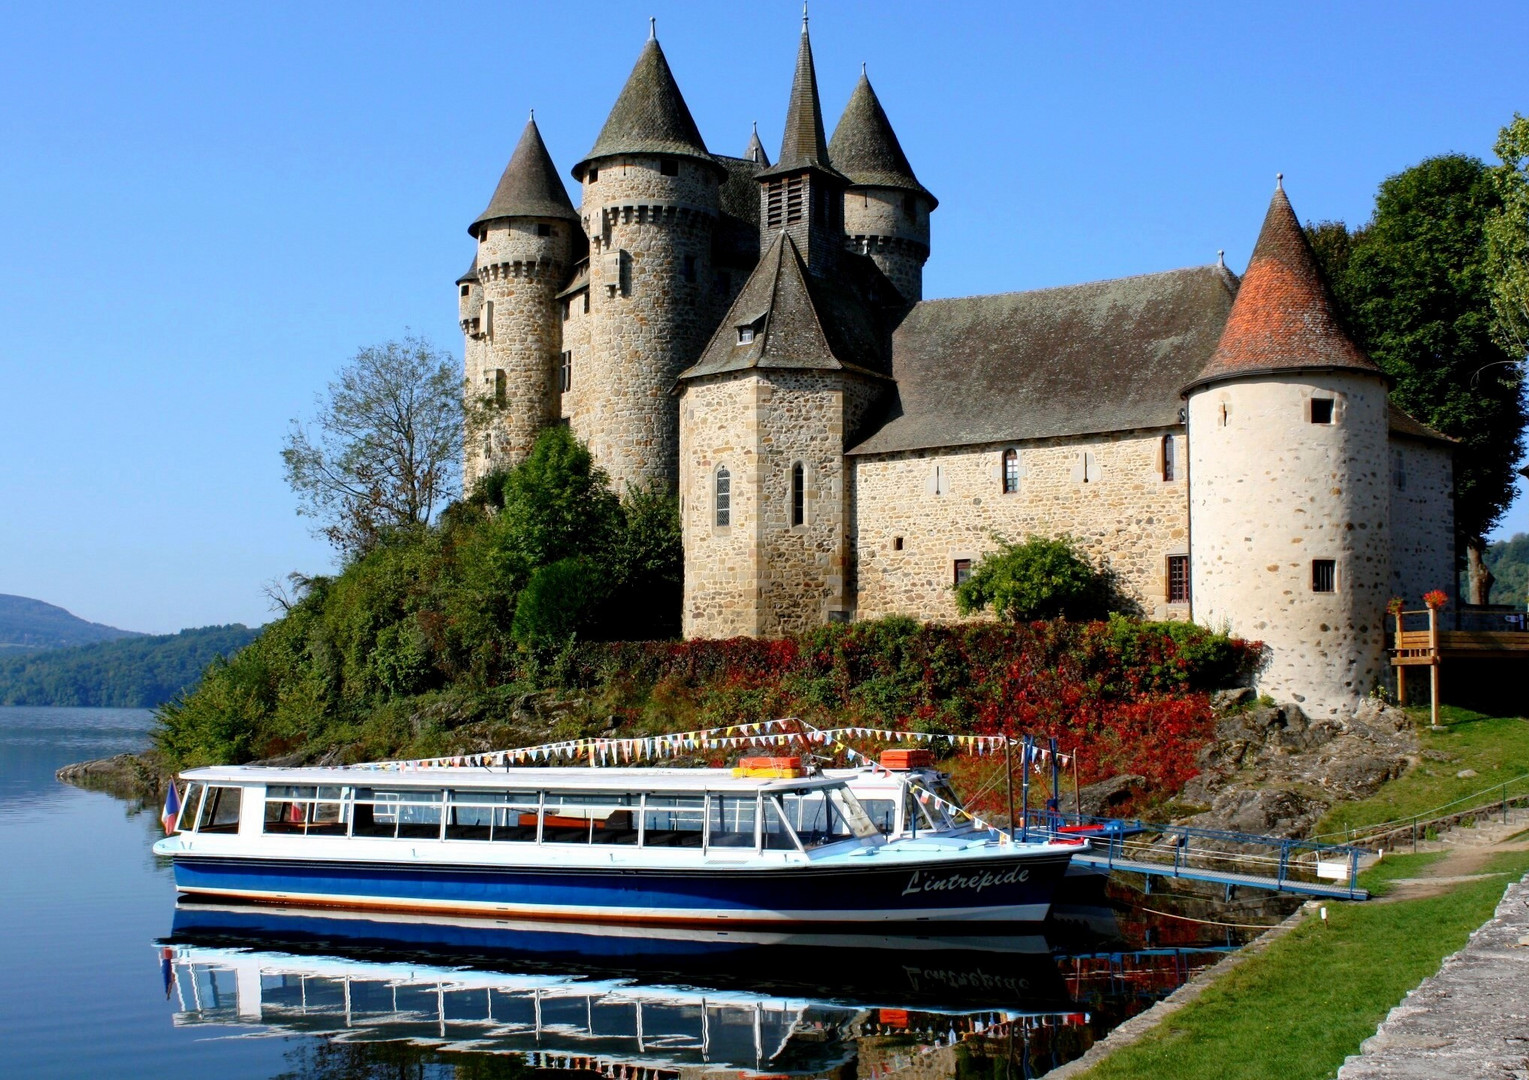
669, 166
745, 335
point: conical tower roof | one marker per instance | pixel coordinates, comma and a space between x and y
530, 186
1283, 318
804, 144
649, 117
755, 150
865, 148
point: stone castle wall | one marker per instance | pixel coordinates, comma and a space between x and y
1271, 492
916, 513
877, 223
519, 334
1422, 520
478, 381
649, 317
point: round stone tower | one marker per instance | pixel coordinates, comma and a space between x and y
650, 206
886, 209
1289, 507
526, 247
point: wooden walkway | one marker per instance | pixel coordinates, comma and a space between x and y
1430, 647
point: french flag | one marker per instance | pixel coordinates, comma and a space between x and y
172, 809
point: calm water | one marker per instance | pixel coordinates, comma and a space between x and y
107, 978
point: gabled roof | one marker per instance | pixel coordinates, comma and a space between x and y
530, 186
1408, 426
802, 321
650, 116
1106, 356
865, 148
804, 144
1284, 319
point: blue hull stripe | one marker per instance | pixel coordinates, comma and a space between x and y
997, 890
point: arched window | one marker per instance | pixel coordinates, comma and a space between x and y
724, 498
798, 494
1170, 462
1010, 471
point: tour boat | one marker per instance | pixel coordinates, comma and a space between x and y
760, 847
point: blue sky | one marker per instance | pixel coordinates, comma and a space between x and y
205, 209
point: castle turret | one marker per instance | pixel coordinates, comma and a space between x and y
803, 194
650, 206
886, 209
526, 247
1288, 500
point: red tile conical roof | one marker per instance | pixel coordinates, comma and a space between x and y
1283, 318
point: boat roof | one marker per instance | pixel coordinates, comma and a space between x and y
568, 777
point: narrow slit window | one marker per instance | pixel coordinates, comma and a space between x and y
565, 373
1321, 410
724, 498
501, 387
1324, 575
1010, 471
1170, 459
1178, 579
897, 543
798, 494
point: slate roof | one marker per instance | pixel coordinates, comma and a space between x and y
755, 150
1106, 356
1284, 319
1405, 424
650, 116
804, 145
865, 148
735, 241
530, 186
471, 276
805, 321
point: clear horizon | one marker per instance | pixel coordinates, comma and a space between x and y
209, 210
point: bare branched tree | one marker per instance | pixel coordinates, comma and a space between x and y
384, 450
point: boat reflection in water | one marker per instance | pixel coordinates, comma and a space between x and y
624, 1002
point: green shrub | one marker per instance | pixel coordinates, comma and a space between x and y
560, 599
1039, 578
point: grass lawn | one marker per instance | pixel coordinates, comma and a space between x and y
1497, 748
1298, 1009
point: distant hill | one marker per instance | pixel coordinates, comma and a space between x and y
137, 672
27, 624
1509, 562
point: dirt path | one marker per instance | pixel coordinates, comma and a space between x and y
1462, 862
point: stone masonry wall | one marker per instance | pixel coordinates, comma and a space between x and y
647, 321
477, 446
876, 224
1270, 493
576, 324
1107, 491
1422, 520
519, 333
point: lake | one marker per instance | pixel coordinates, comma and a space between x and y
110, 978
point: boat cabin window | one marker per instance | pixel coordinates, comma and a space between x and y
883, 814
493, 815
589, 818
304, 809
825, 816
193, 796
405, 813
731, 820
774, 831
673, 820
220, 810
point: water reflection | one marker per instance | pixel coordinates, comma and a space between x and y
634, 1005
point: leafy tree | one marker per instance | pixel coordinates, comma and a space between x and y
384, 450
649, 569
556, 505
1414, 286
560, 600
1508, 238
1039, 578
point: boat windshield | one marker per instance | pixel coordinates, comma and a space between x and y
826, 816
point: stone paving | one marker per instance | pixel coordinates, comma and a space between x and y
1469, 1021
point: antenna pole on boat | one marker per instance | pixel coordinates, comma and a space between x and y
1008, 764
1026, 753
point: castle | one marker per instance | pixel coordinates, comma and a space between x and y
755, 336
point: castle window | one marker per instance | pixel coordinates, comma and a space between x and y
783, 201
745, 335
565, 372
688, 269
488, 318
669, 166
543, 229
586, 303
1399, 473
500, 387
1321, 410
567, 310
897, 543
1170, 459
963, 570
1178, 579
1010, 472
1324, 575
724, 498
798, 494
1226, 412
464, 290
593, 174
